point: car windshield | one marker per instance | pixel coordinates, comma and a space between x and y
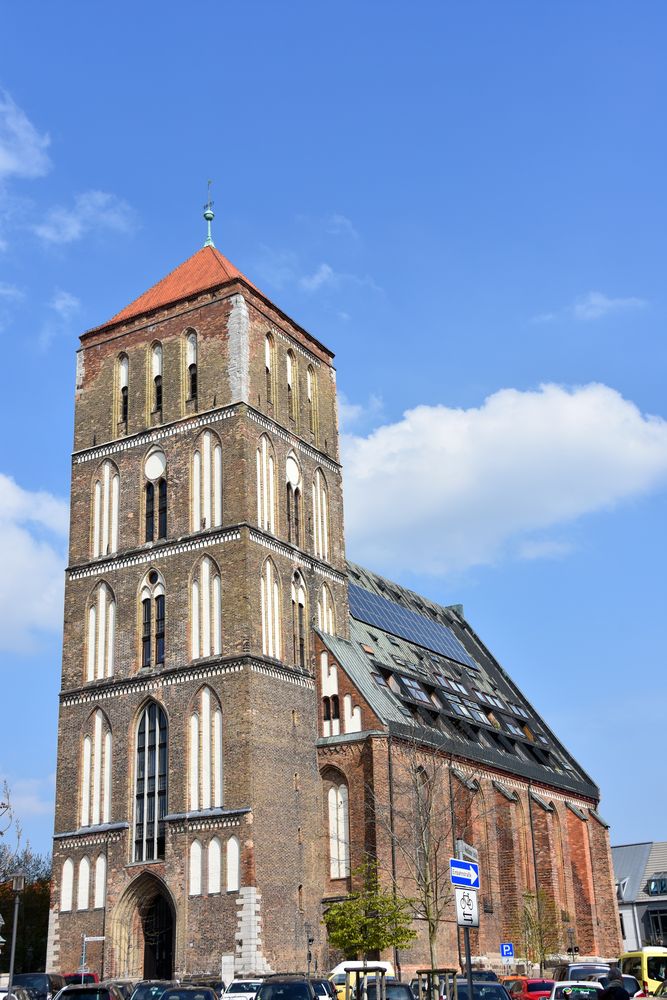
149, 991
540, 986
565, 991
191, 993
482, 991
581, 971
33, 982
89, 992
395, 991
656, 967
284, 991
320, 988
245, 987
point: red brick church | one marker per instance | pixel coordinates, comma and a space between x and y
243, 713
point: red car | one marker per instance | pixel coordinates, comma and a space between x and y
530, 989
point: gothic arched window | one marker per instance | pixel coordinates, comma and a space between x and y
293, 498
299, 620
338, 816
150, 783
191, 364
96, 773
83, 886
67, 885
270, 599
233, 865
155, 496
101, 634
214, 866
266, 485
195, 868
320, 515
205, 771
156, 374
153, 614
269, 367
100, 884
325, 611
311, 397
207, 482
205, 610
106, 493
292, 387
123, 379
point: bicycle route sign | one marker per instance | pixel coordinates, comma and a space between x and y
467, 911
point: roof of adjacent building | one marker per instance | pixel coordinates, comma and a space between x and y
426, 674
204, 270
630, 861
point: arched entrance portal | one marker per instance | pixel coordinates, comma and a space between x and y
143, 929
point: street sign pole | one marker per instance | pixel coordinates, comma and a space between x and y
466, 942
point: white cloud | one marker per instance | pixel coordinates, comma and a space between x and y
92, 210
591, 306
544, 548
8, 291
353, 414
444, 489
65, 304
340, 225
33, 532
325, 276
595, 305
22, 147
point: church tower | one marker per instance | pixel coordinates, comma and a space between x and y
206, 543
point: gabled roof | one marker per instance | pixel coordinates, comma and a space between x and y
204, 270
426, 674
630, 862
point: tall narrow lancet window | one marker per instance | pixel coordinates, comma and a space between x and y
214, 866
271, 617
205, 776
156, 374
66, 885
83, 885
150, 784
299, 620
153, 620
320, 515
266, 485
207, 482
195, 868
123, 388
96, 773
100, 891
325, 611
205, 610
191, 365
155, 496
311, 397
233, 865
293, 500
106, 495
339, 830
292, 383
101, 634
269, 367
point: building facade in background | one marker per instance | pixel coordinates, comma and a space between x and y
640, 871
243, 715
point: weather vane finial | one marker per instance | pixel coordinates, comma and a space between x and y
209, 215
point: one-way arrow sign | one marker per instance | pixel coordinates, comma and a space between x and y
464, 873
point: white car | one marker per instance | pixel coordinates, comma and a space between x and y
242, 989
575, 989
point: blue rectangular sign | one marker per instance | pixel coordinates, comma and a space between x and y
506, 950
464, 873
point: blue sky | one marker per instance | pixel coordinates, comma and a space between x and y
465, 201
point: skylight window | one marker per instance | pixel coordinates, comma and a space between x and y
415, 690
459, 707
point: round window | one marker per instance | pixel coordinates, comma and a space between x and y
155, 465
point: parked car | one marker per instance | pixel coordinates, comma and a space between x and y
286, 988
18, 993
578, 970
213, 982
44, 985
481, 976
649, 966
74, 978
337, 974
92, 991
124, 986
152, 989
630, 984
243, 989
661, 990
529, 989
323, 988
481, 990
394, 990
189, 993
573, 989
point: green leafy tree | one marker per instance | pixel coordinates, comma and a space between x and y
370, 919
541, 930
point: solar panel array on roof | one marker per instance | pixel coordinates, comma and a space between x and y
394, 618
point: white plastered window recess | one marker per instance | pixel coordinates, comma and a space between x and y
106, 497
207, 483
205, 773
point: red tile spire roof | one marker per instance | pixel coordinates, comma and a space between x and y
205, 269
